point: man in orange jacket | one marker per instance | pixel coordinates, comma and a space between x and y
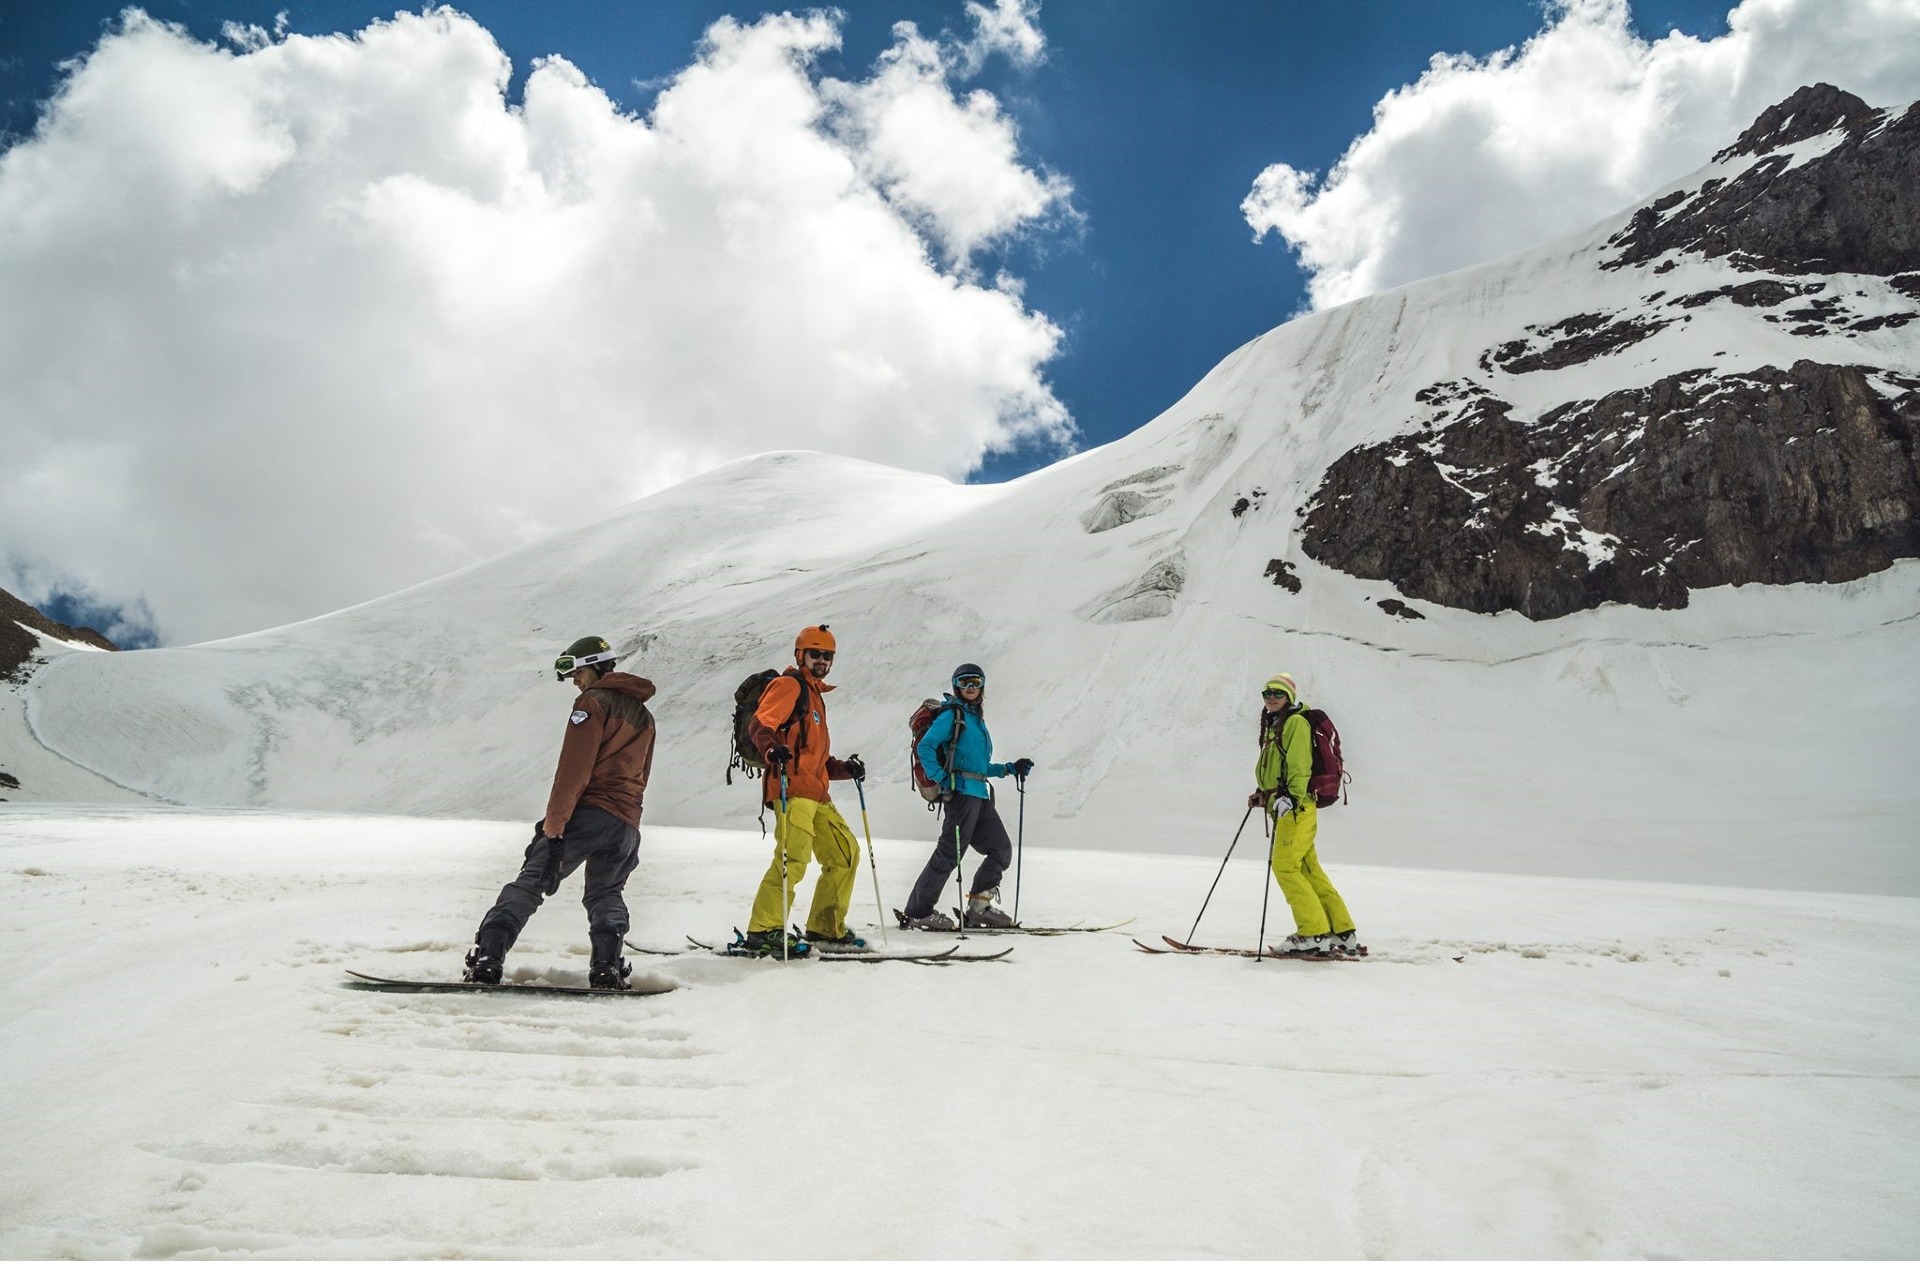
789, 728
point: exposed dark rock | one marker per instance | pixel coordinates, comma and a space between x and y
1281, 571
1400, 608
1755, 293
1249, 501
17, 645
1574, 340
1805, 475
1241, 505
1909, 285
1877, 322
1854, 208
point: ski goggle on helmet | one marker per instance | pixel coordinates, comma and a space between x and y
591, 651
969, 675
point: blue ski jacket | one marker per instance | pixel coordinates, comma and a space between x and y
972, 756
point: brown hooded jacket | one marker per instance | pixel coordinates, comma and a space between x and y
607, 754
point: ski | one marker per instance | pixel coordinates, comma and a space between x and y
641, 986
1019, 929
1271, 952
935, 957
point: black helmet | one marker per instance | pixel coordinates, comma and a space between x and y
589, 650
968, 670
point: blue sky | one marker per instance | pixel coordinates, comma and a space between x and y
267, 280
1161, 114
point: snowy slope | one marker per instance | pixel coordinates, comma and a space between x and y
1121, 607
1529, 1067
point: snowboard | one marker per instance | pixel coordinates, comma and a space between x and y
642, 986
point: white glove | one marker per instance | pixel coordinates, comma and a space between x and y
1281, 804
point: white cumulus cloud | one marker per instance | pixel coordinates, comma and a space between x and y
1481, 157
289, 322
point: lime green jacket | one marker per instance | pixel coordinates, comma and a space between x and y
1295, 738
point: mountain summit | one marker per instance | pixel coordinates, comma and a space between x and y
1556, 539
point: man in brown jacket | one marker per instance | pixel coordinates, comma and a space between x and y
593, 818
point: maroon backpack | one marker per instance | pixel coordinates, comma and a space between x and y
917, 727
1327, 780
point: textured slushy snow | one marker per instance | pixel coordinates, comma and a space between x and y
1530, 1067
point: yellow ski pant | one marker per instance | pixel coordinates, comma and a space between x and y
1316, 904
809, 829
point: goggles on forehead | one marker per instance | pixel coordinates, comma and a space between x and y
566, 663
970, 680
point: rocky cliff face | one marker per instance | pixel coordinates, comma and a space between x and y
17, 645
1803, 470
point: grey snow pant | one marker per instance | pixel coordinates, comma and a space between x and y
608, 847
977, 825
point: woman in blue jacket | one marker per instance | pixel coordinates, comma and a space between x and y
967, 817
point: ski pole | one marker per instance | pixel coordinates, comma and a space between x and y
1019, 840
1266, 887
872, 864
959, 887
786, 899
1216, 875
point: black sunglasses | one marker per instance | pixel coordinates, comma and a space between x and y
818, 654
1275, 695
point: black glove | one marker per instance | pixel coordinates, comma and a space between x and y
778, 757
857, 768
1258, 797
1021, 767
550, 878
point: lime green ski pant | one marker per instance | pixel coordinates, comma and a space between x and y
1316, 904
809, 829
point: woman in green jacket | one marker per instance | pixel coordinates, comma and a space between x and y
1320, 919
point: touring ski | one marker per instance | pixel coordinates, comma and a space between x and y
640, 986
1020, 929
935, 957
1272, 952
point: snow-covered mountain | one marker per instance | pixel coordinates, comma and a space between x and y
1642, 415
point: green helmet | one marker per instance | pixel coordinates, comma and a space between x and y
589, 650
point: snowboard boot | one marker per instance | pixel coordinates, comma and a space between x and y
487, 959
1301, 944
931, 922
1347, 943
848, 940
982, 913
608, 971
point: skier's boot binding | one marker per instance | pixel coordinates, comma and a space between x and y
771, 941
608, 971
982, 913
1347, 943
848, 940
931, 922
1302, 944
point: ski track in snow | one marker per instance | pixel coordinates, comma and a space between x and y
1527, 1067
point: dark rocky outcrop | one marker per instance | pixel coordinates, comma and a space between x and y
1400, 608
1754, 293
17, 645
1802, 475
1854, 208
1577, 339
1281, 571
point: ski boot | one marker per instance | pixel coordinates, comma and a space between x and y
982, 913
1347, 943
487, 960
608, 971
848, 940
931, 922
1304, 944
769, 942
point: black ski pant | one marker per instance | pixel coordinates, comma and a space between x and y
976, 825
609, 849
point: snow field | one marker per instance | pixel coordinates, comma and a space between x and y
1530, 1066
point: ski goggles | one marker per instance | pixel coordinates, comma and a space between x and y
970, 680
566, 663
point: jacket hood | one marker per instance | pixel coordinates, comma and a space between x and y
629, 684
